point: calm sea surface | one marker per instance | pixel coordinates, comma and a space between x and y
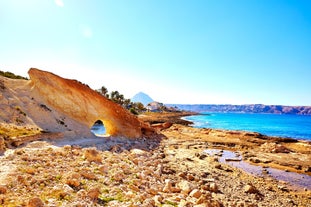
294, 126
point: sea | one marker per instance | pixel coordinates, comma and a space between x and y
280, 125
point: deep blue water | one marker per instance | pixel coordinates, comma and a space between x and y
293, 126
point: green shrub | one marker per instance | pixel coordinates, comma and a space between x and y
12, 75
133, 111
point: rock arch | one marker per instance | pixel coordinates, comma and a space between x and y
99, 129
81, 103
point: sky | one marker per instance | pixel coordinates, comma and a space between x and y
176, 51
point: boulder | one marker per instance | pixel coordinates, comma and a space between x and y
250, 189
185, 187
196, 193
274, 148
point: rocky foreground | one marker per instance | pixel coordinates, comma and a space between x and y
48, 156
167, 169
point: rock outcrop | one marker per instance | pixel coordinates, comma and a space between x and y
23, 112
81, 103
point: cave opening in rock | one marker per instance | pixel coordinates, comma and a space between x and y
99, 129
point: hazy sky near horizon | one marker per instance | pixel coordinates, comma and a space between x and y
176, 51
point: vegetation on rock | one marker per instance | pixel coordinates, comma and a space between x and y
12, 75
117, 97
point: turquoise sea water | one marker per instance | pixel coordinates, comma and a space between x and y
293, 126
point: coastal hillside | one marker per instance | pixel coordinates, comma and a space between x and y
249, 108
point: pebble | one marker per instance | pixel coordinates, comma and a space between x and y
190, 177
88, 175
118, 176
183, 175
73, 182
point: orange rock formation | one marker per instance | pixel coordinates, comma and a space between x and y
83, 104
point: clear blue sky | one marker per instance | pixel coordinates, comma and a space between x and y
176, 51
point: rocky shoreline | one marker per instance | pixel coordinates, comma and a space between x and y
169, 168
171, 117
282, 153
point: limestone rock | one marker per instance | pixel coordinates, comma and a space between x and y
92, 155
308, 169
73, 179
185, 187
138, 152
35, 202
118, 176
103, 169
213, 187
168, 186
3, 189
85, 105
82, 193
93, 193
250, 189
274, 148
89, 175
149, 202
195, 193
73, 182
283, 188
158, 199
162, 126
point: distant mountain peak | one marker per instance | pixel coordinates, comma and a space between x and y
142, 98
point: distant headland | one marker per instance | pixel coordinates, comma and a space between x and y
248, 108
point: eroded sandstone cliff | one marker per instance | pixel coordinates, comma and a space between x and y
83, 104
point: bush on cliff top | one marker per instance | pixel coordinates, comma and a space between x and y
11, 75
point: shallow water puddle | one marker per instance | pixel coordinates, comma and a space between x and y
294, 179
